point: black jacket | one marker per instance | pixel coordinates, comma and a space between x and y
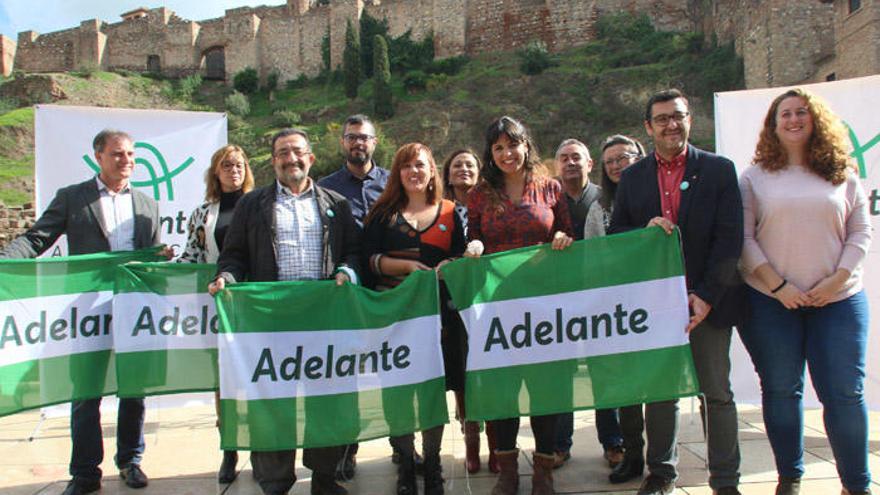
249, 247
710, 218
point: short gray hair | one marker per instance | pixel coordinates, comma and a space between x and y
570, 141
106, 135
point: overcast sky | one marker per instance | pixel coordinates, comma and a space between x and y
46, 16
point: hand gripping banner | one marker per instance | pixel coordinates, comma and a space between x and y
310, 364
165, 329
56, 339
598, 325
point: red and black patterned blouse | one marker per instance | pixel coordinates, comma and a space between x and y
541, 213
444, 238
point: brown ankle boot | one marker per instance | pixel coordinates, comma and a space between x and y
490, 439
542, 477
508, 479
472, 446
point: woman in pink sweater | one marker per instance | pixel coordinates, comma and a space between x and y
807, 231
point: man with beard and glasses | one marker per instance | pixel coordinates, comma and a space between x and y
361, 181
293, 230
681, 186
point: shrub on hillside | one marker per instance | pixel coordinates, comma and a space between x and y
238, 104
286, 118
188, 86
449, 66
535, 59
415, 80
246, 81
272, 81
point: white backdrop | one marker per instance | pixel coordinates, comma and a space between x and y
739, 116
172, 151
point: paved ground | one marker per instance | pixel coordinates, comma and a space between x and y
182, 457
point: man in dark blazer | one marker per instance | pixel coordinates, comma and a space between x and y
101, 214
291, 229
682, 186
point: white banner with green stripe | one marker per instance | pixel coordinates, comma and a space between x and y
310, 364
56, 341
598, 325
165, 329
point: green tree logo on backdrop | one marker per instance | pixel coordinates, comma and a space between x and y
859, 150
156, 180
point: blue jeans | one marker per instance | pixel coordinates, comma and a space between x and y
607, 427
832, 340
88, 446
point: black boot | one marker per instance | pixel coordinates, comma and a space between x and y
406, 476
228, 472
631, 467
433, 475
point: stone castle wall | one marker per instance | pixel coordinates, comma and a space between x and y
782, 42
7, 55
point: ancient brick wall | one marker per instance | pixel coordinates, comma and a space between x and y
14, 221
53, 52
857, 43
7, 55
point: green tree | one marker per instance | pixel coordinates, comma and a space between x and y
382, 104
351, 61
370, 27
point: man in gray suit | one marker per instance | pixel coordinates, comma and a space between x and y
101, 214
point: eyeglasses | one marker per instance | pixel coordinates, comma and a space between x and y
353, 138
227, 166
298, 152
622, 159
664, 119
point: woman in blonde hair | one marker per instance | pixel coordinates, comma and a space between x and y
227, 179
807, 231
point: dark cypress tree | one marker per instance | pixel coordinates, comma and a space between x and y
382, 104
351, 61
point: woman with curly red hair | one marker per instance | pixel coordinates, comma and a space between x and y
807, 231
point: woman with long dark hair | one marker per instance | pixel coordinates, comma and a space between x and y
516, 205
227, 179
409, 228
807, 231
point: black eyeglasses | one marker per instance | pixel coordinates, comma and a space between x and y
353, 138
664, 119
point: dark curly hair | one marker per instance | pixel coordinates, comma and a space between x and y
491, 177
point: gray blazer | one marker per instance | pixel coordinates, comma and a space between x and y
76, 211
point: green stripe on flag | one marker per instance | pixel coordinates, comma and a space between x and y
321, 305
330, 420
645, 254
45, 382
165, 278
166, 372
601, 382
26, 278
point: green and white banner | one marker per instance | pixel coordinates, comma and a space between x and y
165, 329
310, 364
56, 341
598, 325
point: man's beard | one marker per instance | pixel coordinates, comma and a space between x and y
362, 158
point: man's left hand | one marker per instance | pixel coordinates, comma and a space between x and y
699, 310
341, 278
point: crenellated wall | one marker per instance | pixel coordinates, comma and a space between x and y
782, 42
